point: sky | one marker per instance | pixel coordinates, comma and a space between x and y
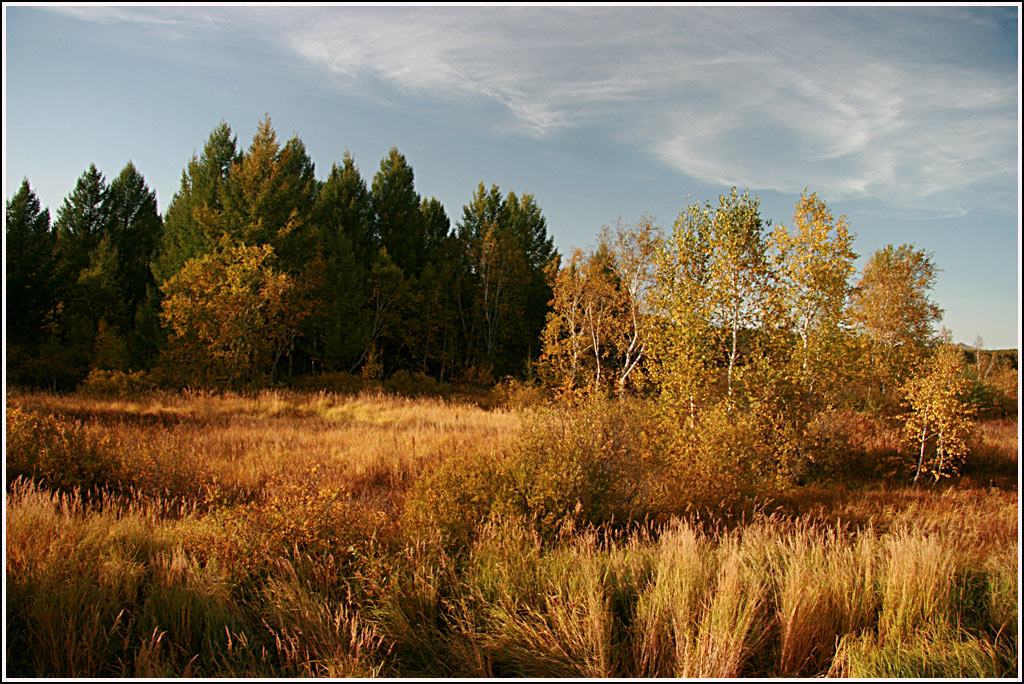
905, 119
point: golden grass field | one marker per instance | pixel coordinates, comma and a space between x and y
318, 534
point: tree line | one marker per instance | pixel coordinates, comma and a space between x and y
258, 272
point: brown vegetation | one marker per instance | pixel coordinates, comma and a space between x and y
319, 534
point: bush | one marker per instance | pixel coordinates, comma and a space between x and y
517, 394
412, 384
57, 453
597, 465
720, 463
115, 383
452, 500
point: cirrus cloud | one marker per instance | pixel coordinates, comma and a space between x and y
884, 103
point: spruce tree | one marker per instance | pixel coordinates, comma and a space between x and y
30, 267
340, 326
82, 220
134, 227
398, 222
193, 222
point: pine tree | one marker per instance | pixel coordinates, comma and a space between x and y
134, 227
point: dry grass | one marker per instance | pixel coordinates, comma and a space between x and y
368, 445
268, 535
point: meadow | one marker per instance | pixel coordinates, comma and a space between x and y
283, 533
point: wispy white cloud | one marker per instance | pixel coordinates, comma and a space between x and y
857, 102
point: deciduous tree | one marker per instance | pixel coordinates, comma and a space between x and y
228, 314
813, 262
633, 249
714, 291
893, 311
939, 417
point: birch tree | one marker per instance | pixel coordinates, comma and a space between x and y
633, 249
813, 262
939, 417
894, 313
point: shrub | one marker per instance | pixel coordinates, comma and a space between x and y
411, 384
517, 394
595, 465
308, 520
58, 453
454, 498
719, 463
115, 383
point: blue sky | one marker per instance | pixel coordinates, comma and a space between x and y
903, 118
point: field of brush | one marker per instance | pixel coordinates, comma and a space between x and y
317, 534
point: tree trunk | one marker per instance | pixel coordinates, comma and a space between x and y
924, 439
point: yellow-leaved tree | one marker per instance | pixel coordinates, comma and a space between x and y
564, 337
813, 266
597, 330
713, 303
895, 316
632, 249
230, 314
939, 419
813, 263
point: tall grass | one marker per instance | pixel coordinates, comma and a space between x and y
325, 535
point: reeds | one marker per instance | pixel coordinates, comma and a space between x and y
269, 536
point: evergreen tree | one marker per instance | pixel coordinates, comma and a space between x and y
508, 256
339, 328
82, 221
134, 228
530, 227
397, 218
343, 212
193, 222
436, 226
270, 197
433, 319
31, 267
